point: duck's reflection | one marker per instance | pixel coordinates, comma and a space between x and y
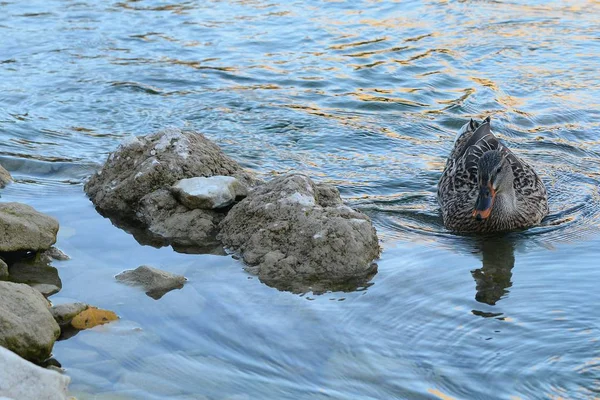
493, 279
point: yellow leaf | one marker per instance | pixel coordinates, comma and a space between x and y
93, 317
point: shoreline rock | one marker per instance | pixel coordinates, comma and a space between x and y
24, 228
26, 325
24, 380
155, 282
295, 235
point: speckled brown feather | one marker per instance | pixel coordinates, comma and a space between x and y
458, 189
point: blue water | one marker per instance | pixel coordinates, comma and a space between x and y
364, 94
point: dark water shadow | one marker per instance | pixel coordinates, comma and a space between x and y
147, 238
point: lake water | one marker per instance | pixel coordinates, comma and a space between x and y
364, 94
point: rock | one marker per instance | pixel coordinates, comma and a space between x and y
23, 228
143, 165
23, 380
175, 223
4, 177
64, 313
208, 193
53, 253
40, 276
3, 269
154, 281
296, 234
26, 325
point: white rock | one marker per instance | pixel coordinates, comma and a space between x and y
22, 380
208, 193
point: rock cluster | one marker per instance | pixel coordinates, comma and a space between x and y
294, 233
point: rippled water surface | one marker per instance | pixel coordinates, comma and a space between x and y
364, 94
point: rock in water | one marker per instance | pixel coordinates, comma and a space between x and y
26, 325
154, 281
208, 193
23, 228
64, 313
297, 235
135, 185
145, 164
4, 177
20, 379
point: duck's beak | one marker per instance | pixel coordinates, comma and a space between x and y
485, 202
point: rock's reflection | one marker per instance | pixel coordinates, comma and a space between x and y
494, 277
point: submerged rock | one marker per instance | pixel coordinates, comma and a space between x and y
23, 380
135, 182
155, 282
296, 235
40, 276
26, 325
23, 228
53, 253
3, 269
4, 177
209, 193
64, 313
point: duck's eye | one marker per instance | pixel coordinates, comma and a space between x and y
499, 170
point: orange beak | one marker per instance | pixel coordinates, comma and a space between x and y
485, 202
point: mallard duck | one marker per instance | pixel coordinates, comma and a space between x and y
485, 187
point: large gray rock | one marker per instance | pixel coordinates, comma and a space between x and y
22, 380
26, 325
296, 235
155, 282
145, 164
4, 177
23, 228
208, 193
135, 182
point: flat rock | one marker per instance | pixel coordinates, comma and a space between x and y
154, 281
40, 276
23, 228
208, 193
3, 270
298, 235
26, 325
22, 380
4, 177
64, 313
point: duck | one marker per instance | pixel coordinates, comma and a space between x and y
486, 188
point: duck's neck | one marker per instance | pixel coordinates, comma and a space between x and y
505, 205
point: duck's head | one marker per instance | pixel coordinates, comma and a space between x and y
494, 178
